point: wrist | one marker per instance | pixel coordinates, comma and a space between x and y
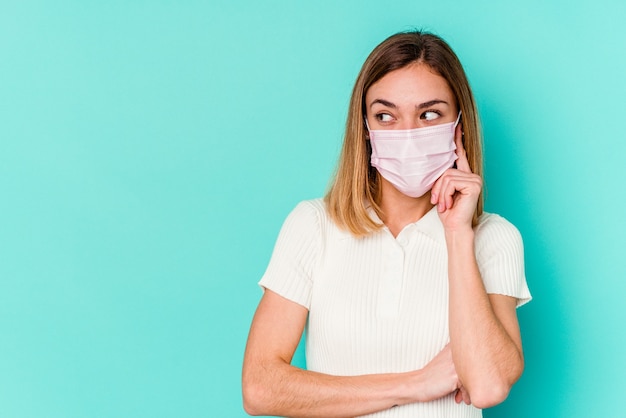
460, 244
416, 386
459, 234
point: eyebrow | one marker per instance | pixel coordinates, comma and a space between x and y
431, 103
419, 106
384, 103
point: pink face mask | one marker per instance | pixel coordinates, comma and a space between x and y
413, 159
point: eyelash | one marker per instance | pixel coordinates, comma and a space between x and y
423, 115
379, 116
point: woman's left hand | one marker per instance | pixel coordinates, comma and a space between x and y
456, 192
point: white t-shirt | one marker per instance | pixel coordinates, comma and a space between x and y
379, 304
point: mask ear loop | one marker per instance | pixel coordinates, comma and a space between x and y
458, 119
367, 125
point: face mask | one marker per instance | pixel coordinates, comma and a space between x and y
413, 159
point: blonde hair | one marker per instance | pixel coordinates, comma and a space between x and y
356, 184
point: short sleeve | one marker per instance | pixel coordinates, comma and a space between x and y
297, 249
500, 257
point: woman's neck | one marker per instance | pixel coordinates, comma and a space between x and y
399, 210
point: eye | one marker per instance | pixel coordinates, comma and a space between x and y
430, 115
384, 117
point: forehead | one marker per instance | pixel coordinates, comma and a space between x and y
415, 83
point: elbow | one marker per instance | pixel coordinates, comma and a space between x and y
489, 396
257, 395
259, 387
252, 398
492, 392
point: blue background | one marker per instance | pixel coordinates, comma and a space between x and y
150, 150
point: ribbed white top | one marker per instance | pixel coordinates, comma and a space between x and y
379, 304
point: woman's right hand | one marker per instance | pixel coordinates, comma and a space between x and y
440, 378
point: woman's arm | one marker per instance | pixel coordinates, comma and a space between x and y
484, 332
271, 386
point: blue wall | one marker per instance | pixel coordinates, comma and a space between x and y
150, 150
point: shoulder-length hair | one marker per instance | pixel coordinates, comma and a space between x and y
356, 184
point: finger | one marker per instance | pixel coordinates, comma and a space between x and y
434, 192
451, 190
458, 397
446, 191
461, 182
440, 196
461, 163
465, 395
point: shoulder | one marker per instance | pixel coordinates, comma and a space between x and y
490, 224
500, 257
495, 232
308, 211
312, 206
309, 217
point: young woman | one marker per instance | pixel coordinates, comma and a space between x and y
407, 290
